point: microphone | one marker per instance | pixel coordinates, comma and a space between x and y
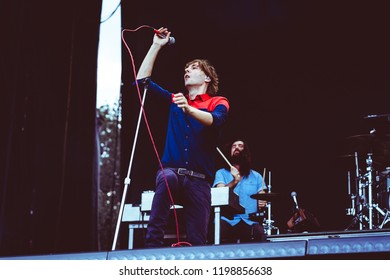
161, 35
294, 196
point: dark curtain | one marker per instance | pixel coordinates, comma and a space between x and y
48, 161
300, 76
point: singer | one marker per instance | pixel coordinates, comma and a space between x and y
194, 126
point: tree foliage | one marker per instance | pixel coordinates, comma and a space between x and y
109, 191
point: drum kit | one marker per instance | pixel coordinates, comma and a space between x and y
265, 217
369, 192
368, 183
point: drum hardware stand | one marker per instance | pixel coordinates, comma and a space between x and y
359, 194
371, 205
386, 216
386, 219
268, 223
366, 181
363, 182
363, 204
351, 211
369, 184
358, 218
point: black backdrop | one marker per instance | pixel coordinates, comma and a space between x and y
48, 160
300, 75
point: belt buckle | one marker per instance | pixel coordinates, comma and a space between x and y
179, 171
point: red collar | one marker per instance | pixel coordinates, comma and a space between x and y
201, 97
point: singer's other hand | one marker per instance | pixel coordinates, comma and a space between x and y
161, 36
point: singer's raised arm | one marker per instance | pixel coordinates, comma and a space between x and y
147, 64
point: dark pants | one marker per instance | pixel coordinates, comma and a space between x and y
194, 194
243, 232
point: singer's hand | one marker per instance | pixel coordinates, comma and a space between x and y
161, 36
181, 101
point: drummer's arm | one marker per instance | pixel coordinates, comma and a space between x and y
236, 179
231, 184
261, 203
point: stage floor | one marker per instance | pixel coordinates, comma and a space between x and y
361, 244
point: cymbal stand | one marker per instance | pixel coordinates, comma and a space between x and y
385, 212
365, 189
366, 182
386, 216
369, 184
351, 211
268, 224
358, 198
361, 193
386, 219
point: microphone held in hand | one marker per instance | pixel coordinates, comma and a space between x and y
161, 35
294, 197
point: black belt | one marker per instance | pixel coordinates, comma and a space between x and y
183, 171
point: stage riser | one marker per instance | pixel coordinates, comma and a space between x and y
358, 246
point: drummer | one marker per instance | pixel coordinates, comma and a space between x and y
245, 182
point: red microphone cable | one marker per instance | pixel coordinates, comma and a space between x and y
179, 243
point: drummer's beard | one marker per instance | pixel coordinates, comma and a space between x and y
238, 158
241, 159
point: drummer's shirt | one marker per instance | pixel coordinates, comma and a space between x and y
247, 186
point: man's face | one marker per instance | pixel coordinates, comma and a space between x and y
237, 148
194, 75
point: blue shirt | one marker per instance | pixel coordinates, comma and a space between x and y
190, 144
248, 185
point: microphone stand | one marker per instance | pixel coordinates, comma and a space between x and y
127, 179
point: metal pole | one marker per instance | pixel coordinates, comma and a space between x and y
369, 176
127, 179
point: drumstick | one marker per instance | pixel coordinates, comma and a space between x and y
262, 183
224, 157
269, 182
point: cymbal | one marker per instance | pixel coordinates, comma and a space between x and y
373, 135
387, 116
368, 143
361, 142
266, 196
346, 156
379, 123
370, 137
362, 137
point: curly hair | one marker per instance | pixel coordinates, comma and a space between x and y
209, 70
